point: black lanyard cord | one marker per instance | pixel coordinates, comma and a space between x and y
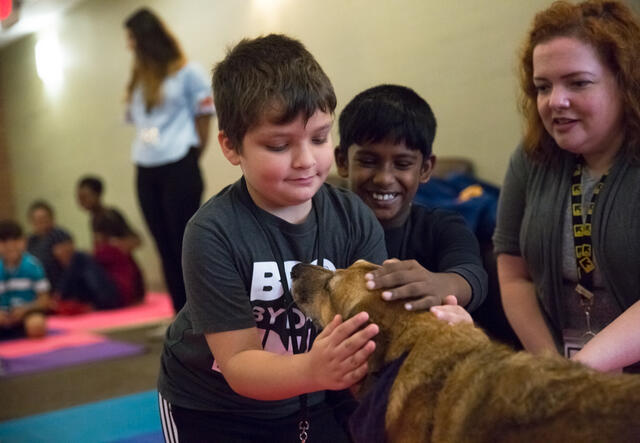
288, 298
303, 424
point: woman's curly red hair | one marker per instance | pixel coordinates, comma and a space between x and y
613, 30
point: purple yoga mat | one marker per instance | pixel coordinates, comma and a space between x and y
67, 357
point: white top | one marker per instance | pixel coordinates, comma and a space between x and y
166, 133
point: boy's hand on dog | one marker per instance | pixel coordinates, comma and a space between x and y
451, 312
339, 355
407, 279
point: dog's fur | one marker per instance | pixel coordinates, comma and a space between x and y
457, 386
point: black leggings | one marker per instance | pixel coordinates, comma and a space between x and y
191, 426
169, 195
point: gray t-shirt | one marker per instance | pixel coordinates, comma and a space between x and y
232, 283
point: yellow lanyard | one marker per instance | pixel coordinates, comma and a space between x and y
582, 239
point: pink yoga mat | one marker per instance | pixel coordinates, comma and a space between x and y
156, 307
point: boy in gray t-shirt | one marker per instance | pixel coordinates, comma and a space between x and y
238, 362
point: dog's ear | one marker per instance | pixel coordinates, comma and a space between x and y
348, 288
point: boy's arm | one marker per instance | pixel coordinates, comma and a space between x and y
126, 239
126, 244
42, 300
457, 266
41, 303
337, 360
41, 287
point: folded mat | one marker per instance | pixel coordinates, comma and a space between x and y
155, 308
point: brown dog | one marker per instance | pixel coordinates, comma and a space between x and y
455, 385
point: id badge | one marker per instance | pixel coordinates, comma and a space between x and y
574, 340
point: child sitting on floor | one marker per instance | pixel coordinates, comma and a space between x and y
113, 241
24, 289
42, 219
84, 284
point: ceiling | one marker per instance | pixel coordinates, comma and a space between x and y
32, 16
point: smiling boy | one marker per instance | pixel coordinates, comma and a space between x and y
238, 363
386, 135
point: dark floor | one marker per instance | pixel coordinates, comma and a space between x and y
48, 391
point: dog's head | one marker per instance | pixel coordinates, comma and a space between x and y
321, 294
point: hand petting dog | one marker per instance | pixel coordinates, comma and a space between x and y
451, 312
339, 355
423, 289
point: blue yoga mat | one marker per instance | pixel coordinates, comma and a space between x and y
129, 419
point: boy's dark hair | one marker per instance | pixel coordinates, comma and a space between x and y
40, 204
59, 236
274, 73
390, 113
9, 230
92, 182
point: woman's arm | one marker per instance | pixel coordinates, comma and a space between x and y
337, 360
617, 345
521, 305
200, 99
202, 128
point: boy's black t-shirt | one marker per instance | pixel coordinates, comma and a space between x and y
86, 281
232, 282
440, 241
41, 246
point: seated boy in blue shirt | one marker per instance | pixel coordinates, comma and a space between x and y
386, 135
238, 364
24, 289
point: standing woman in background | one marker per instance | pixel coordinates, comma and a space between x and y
568, 231
170, 103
